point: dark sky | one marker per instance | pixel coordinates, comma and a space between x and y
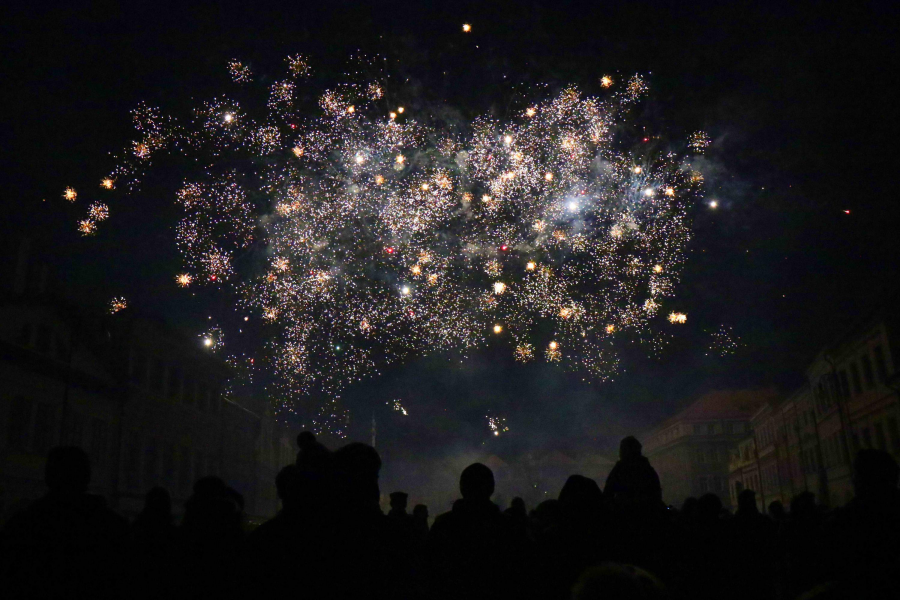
796, 97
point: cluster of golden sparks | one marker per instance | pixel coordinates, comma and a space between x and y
388, 236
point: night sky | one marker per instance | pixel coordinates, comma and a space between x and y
796, 99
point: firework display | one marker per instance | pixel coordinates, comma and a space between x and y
386, 234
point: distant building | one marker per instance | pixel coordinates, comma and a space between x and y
145, 402
691, 450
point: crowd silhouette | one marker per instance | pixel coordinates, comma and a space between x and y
331, 539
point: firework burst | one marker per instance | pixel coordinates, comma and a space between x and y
388, 237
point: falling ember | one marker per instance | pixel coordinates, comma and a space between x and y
714, 204
637, 170
184, 279
400, 110
498, 328
379, 180
677, 317
281, 264
530, 265
298, 151
405, 290
70, 194
228, 118
530, 112
610, 329
499, 287
606, 81
117, 304
466, 28
107, 184
548, 176
657, 268
670, 191
400, 159
416, 270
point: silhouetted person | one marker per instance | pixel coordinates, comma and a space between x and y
578, 540
618, 581
420, 519
211, 538
398, 505
752, 540
154, 537
288, 548
869, 526
473, 551
633, 483
312, 456
68, 544
777, 512
805, 547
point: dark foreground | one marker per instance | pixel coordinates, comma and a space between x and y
331, 540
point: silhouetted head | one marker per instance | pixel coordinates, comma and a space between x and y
518, 505
476, 482
776, 510
613, 580
581, 493
398, 500
68, 470
158, 503
420, 511
356, 468
689, 508
747, 501
209, 487
306, 439
803, 505
237, 498
629, 448
875, 473
287, 484
708, 507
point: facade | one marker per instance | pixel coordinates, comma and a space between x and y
805, 442
691, 451
145, 403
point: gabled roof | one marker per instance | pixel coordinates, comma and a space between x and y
723, 404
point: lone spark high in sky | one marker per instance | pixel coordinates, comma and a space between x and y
388, 235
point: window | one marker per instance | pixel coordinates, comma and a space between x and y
868, 377
174, 386
711, 455
880, 364
729, 427
133, 463
139, 368
703, 484
168, 468
151, 467
710, 428
26, 334
184, 473
844, 384
42, 343
880, 442
74, 435
98, 442
19, 424
894, 432
157, 376
43, 429
854, 378
190, 390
